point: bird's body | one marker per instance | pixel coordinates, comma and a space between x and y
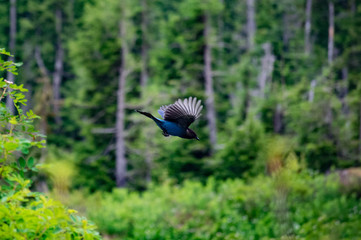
171, 128
177, 117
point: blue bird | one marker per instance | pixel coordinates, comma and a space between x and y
177, 117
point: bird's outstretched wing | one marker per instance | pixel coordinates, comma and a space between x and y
182, 112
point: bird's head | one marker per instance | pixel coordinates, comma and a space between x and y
191, 134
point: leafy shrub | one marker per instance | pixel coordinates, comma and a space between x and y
288, 204
25, 214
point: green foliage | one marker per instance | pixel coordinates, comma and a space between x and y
325, 130
25, 214
322, 131
97, 41
38, 217
242, 151
60, 171
310, 206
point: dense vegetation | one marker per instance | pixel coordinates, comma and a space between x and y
308, 206
280, 82
25, 214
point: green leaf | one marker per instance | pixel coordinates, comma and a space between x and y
22, 162
30, 114
11, 146
3, 51
30, 162
13, 121
57, 230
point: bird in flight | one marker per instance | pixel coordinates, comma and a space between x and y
177, 117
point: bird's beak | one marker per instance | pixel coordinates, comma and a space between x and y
197, 138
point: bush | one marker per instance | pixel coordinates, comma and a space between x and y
287, 204
25, 214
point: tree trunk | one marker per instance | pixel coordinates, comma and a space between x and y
12, 29
211, 116
45, 94
266, 69
353, 7
277, 120
331, 31
58, 73
10, 77
308, 27
121, 161
220, 42
251, 25
311, 93
144, 80
144, 71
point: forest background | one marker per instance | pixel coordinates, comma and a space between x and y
280, 132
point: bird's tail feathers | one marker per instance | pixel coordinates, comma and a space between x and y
146, 114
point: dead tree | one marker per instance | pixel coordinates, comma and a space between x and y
265, 75
308, 27
10, 77
211, 115
121, 161
59, 65
144, 51
251, 24
331, 31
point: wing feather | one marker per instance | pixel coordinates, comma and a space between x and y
198, 108
189, 106
194, 106
161, 112
185, 103
182, 112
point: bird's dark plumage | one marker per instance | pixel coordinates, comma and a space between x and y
177, 117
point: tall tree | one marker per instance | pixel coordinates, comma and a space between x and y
331, 31
211, 114
251, 24
308, 27
121, 161
144, 53
267, 63
311, 93
59, 63
353, 6
96, 98
12, 42
45, 95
